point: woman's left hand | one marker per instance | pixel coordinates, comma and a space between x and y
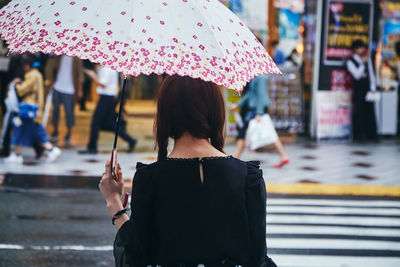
112, 188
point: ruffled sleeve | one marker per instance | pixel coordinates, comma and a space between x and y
256, 212
133, 240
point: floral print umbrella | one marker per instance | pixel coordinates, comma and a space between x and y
197, 38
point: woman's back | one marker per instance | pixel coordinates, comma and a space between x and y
180, 219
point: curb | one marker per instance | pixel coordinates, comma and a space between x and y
332, 189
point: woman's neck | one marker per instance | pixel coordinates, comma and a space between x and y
188, 146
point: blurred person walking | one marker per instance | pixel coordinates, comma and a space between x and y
87, 84
27, 128
65, 76
104, 116
15, 70
195, 205
256, 102
278, 54
364, 83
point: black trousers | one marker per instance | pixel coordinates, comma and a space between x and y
104, 119
364, 121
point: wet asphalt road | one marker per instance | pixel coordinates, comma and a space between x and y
55, 228
71, 227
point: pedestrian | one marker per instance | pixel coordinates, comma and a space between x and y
361, 69
65, 76
196, 205
256, 101
293, 60
14, 71
278, 54
28, 131
87, 84
104, 115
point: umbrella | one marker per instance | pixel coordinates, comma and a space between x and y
196, 38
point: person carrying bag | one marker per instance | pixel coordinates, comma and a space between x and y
258, 130
27, 128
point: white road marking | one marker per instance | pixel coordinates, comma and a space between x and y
311, 243
331, 230
333, 210
70, 247
351, 220
333, 202
333, 261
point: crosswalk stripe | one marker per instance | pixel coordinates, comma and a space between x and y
333, 261
333, 210
311, 243
328, 225
333, 202
275, 218
334, 236
333, 232
291, 229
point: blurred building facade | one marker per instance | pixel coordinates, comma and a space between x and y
314, 95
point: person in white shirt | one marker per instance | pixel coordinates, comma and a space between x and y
65, 77
104, 117
361, 69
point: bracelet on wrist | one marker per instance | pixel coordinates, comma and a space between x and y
118, 214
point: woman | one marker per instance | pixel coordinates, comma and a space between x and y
256, 101
196, 205
27, 128
360, 68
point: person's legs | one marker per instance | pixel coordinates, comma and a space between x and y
69, 104
6, 146
124, 135
56, 115
240, 146
86, 90
18, 149
40, 137
98, 117
370, 120
241, 139
284, 157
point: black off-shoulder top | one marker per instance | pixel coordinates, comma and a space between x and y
179, 220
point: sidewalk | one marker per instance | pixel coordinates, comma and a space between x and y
324, 169
328, 168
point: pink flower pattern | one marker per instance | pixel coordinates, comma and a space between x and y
229, 61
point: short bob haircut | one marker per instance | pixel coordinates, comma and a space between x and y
357, 44
187, 105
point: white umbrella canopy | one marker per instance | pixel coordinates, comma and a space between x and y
196, 38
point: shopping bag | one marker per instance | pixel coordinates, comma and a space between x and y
373, 96
47, 107
261, 133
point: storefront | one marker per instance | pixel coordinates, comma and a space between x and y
337, 23
388, 66
277, 21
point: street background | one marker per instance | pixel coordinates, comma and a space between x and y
337, 203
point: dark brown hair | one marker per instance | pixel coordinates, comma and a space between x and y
189, 105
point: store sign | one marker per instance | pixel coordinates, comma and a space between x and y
345, 21
341, 80
296, 6
391, 9
231, 97
252, 12
334, 114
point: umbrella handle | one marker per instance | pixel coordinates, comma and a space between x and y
121, 104
114, 151
113, 161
